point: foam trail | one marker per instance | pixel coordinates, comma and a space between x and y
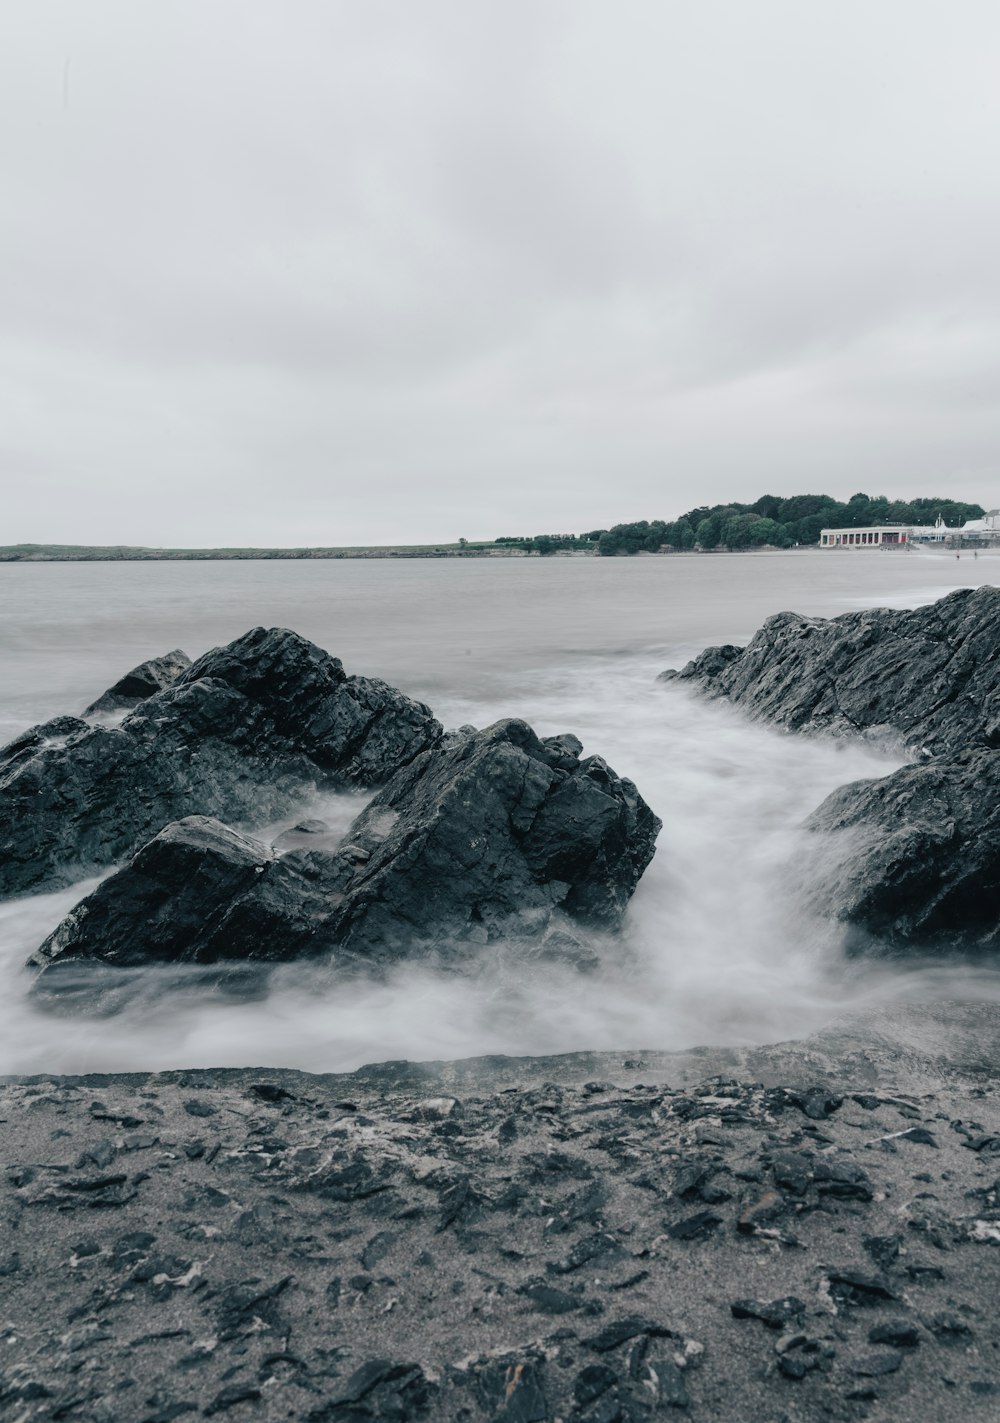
719, 946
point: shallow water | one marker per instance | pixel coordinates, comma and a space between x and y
719, 946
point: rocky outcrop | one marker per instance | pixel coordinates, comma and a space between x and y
241, 734
198, 892
488, 838
143, 681
499, 834
909, 862
929, 677
912, 861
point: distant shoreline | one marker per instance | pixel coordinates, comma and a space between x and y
72, 553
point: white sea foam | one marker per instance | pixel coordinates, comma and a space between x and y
719, 946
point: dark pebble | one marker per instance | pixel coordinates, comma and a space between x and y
695, 1227
897, 1333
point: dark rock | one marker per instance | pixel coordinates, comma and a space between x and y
143, 681
592, 1382
663, 1381
884, 1249
796, 1366
487, 839
695, 1227
896, 1333
633, 1327
792, 1171
837, 1177
467, 844
550, 1300
928, 676
512, 1390
815, 1102
379, 1389
852, 1287
246, 1308
587, 1251
50, 735
775, 1315
912, 860
197, 1108
920, 1135
242, 733
170, 905
378, 1248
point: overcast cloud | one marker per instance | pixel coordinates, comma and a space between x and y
321, 272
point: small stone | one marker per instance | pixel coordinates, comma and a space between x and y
873, 1366
625, 1329
378, 1248
695, 1227
920, 1135
197, 1108
592, 1382
775, 1314
852, 1287
550, 1300
792, 1171
896, 1333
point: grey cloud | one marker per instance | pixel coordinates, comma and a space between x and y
412, 271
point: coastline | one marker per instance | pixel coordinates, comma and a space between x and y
113, 554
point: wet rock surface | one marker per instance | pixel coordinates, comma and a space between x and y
143, 681
910, 862
913, 861
929, 677
496, 835
497, 1240
242, 733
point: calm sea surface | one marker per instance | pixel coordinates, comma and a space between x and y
719, 946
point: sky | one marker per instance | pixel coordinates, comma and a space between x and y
328, 273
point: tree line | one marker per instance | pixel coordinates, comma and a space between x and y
768, 521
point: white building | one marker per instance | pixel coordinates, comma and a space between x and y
879, 536
975, 532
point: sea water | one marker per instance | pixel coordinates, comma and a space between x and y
720, 945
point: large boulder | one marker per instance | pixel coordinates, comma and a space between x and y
143, 681
198, 892
929, 677
487, 838
911, 862
494, 835
240, 735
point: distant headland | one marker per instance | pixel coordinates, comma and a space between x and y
769, 522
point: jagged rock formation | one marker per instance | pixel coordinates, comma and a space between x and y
143, 681
242, 733
914, 859
488, 836
929, 677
